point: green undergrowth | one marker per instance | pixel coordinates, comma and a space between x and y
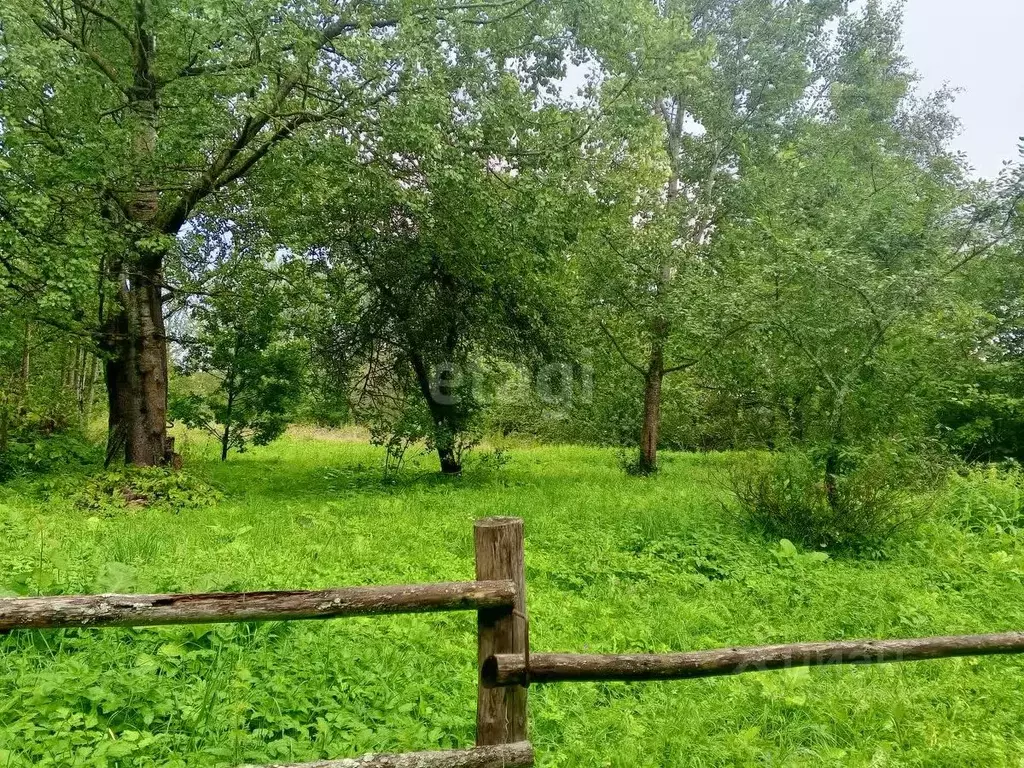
614, 564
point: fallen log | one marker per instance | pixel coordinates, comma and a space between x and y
518, 755
142, 610
510, 669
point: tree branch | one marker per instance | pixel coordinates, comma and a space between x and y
94, 11
98, 61
618, 349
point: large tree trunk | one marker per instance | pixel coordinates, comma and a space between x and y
450, 464
648, 463
136, 370
443, 412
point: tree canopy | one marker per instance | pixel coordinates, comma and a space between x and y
716, 224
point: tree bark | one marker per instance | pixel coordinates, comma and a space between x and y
832, 475
77, 376
648, 462
519, 755
834, 468
136, 339
499, 544
225, 440
153, 610
443, 412
136, 369
450, 464
510, 669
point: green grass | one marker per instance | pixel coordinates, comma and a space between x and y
614, 564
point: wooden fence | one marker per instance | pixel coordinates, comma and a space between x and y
506, 667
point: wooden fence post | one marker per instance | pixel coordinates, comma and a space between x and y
501, 712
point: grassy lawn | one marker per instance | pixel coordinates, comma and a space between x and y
614, 564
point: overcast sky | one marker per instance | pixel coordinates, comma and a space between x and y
975, 45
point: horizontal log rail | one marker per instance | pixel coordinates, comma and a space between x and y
511, 669
146, 610
518, 755
506, 661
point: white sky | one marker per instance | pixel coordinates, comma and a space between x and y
975, 45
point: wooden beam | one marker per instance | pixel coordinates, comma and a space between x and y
510, 669
518, 755
501, 714
142, 610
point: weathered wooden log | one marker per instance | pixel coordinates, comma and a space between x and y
141, 610
518, 755
510, 669
501, 714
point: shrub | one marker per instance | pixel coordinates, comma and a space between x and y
144, 487
787, 496
494, 459
989, 499
30, 452
629, 462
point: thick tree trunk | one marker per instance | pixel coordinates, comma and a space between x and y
450, 465
648, 462
443, 412
136, 339
136, 371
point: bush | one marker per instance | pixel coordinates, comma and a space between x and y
988, 500
630, 462
787, 496
32, 451
144, 487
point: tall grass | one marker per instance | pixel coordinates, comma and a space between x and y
614, 564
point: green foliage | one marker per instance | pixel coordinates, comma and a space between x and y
747, 204
409, 426
31, 450
632, 465
243, 343
612, 566
134, 487
988, 499
982, 418
788, 554
46, 387
437, 242
790, 495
